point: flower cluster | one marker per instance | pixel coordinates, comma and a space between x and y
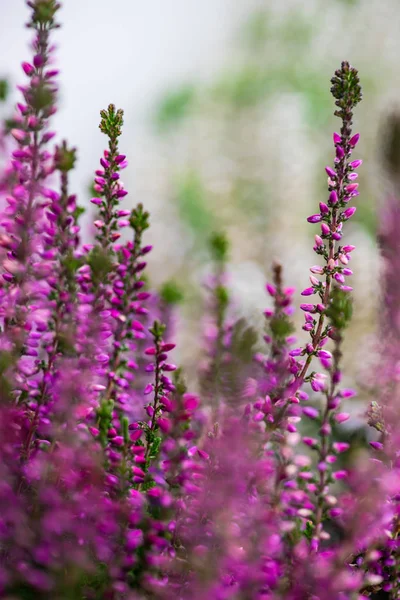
116, 481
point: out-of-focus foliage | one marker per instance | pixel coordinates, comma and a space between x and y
174, 107
3, 89
191, 197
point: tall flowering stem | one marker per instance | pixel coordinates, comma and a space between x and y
160, 389
23, 221
107, 183
62, 239
339, 313
218, 329
333, 214
127, 299
278, 366
325, 319
102, 260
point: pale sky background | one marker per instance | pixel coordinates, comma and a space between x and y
123, 51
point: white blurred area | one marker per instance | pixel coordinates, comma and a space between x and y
123, 51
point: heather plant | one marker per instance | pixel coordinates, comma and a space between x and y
118, 480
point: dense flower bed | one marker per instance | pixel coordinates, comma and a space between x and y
116, 481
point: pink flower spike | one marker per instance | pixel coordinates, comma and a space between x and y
347, 393
339, 277
314, 218
308, 292
355, 164
19, 135
318, 384
307, 307
325, 229
340, 475
38, 60
167, 347
137, 326
309, 441
190, 401
354, 140
164, 424
333, 197
310, 412
150, 351
330, 172
337, 138
289, 291
28, 69
270, 289
341, 417
319, 241
296, 352
376, 445
317, 270
341, 446
348, 213
339, 152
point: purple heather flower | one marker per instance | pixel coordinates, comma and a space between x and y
349, 212
314, 219
308, 307
339, 152
310, 412
342, 417
330, 172
355, 164
325, 229
354, 140
323, 208
333, 197
308, 291
337, 138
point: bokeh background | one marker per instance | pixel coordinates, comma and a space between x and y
228, 126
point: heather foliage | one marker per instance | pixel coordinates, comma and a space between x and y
116, 480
